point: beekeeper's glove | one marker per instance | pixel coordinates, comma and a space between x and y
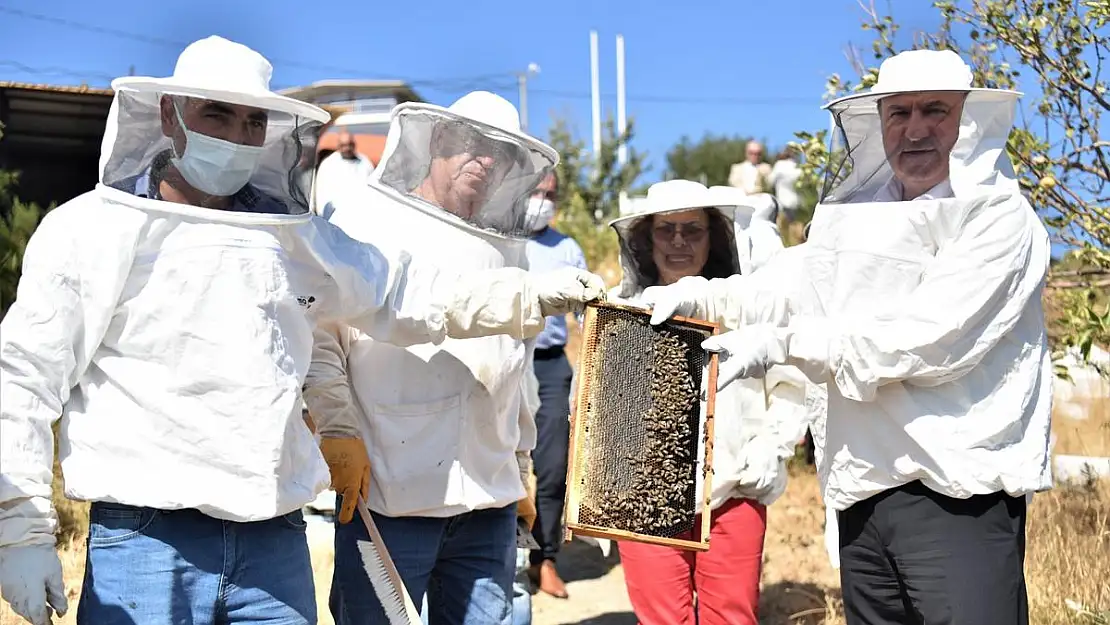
750, 351
31, 581
687, 298
350, 471
526, 507
566, 290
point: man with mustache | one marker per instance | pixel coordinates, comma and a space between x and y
446, 430
916, 300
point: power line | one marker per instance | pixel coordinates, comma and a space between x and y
449, 83
692, 99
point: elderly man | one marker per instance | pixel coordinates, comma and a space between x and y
752, 175
917, 300
166, 318
549, 249
341, 169
446, 427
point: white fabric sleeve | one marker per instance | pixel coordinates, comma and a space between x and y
73, 273
327, 391
768, 295
396, 300
972, 294
529, 400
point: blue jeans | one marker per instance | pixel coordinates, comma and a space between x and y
464, 563
153, 567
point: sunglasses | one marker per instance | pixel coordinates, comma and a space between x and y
692, 233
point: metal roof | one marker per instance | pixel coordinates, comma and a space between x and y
105, 91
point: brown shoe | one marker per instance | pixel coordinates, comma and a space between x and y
547, 579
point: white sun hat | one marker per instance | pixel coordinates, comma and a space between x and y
215, 68
915, 71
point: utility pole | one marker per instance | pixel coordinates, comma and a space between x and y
522, 85
622, 124
595, 93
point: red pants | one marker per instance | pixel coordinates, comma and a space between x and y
662, 580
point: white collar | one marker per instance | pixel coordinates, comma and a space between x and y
892, 192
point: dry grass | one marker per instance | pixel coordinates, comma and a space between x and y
1084, 437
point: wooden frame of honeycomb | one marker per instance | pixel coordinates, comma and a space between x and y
651, 504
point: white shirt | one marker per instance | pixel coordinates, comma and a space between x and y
940, 367
337, 174
783, 178
441, 423
751, 178
173, 341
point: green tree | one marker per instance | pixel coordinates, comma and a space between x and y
589, 189
1061, 157
709, 160
18, 221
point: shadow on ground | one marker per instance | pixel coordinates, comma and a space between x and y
579, 560
794, 603
612, 618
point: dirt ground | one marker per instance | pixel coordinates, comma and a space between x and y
798, 583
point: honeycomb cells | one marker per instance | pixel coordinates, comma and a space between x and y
642, 426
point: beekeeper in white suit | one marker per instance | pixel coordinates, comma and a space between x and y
447, 433
688, 230
917, 299
166, 317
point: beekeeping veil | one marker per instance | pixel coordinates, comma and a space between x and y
213, 127
469, 164
634, 231
858, 168
754, 225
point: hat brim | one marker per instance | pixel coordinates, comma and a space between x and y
730, 212
870, 97
260, 99
499, 134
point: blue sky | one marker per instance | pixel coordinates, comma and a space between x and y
692, 66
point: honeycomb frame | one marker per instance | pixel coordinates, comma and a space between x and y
578, 475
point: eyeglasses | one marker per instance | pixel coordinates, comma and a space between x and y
691, 232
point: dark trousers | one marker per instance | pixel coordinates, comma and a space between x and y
911, 556
552, 445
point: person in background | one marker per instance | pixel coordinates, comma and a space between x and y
783, 180
342, 168
688, 230
549, 249
752, 174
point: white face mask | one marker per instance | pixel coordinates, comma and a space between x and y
540, 212
215, 166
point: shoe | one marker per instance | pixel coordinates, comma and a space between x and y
547, 579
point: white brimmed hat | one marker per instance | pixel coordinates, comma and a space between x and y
916, 71
680, 195
217, 69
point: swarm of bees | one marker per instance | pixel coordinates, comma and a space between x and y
651, 419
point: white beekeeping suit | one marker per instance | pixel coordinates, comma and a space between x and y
442, 423
923, 317
757, 422
171, 333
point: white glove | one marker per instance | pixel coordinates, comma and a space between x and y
684, 298
750, 351
566, 290
31, 581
